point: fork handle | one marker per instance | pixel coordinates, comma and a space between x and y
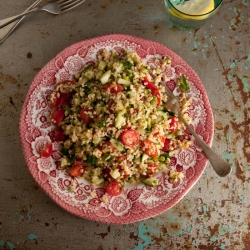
221, 167
7, 30
9, 20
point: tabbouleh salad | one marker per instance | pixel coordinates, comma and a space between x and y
111, 122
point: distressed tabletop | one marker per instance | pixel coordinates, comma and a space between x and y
215, 213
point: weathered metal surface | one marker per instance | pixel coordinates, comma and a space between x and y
215, 213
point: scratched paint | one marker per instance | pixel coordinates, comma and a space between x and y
10, 245
25, 213
238, 20
32, 237
2, 242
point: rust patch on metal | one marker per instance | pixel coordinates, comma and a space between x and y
7, 78
103, 235
240, 174
214, 229
174, 227
246, 235
243, 129
132, 236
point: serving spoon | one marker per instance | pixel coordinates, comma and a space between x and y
220, 166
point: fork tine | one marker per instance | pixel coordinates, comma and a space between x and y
63, 2
172, 102
168, 91
68, 4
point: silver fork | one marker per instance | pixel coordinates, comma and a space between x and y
221, 167
57, 7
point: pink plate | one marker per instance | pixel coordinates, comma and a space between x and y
137, 202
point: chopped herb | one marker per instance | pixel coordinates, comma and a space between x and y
170, 112
127, 65
67, 109
102, 124
86, 90
107, 157
183, 84
91, 160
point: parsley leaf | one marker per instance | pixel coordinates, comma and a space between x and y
183, 84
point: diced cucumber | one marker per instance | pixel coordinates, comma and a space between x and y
162, 115
115, 173
144, 157
98, 75
153, 101
105, 77
131, 94
120, 120
124, 82
77, 76
150, 182
117, 144
97, 180
119, 68
89, 74
102, 65
119, 105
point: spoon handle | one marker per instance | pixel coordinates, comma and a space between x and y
221, 167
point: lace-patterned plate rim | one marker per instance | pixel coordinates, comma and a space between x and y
147, 47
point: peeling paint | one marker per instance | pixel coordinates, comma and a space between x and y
32, 237
10, 245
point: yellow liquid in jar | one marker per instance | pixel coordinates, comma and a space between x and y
196, 8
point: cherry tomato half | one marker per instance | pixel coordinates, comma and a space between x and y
114, 188
86, 115
159, 137
149, 85
166, 145
130, 137
151, 169
106, 173
77, 169
173, 123
57, 116
54, 98
114, 88
58, 135
156, 93
149, 148
154, 90
64, 99
46, 151
121, 158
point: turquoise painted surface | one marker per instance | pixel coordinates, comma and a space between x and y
32, 237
